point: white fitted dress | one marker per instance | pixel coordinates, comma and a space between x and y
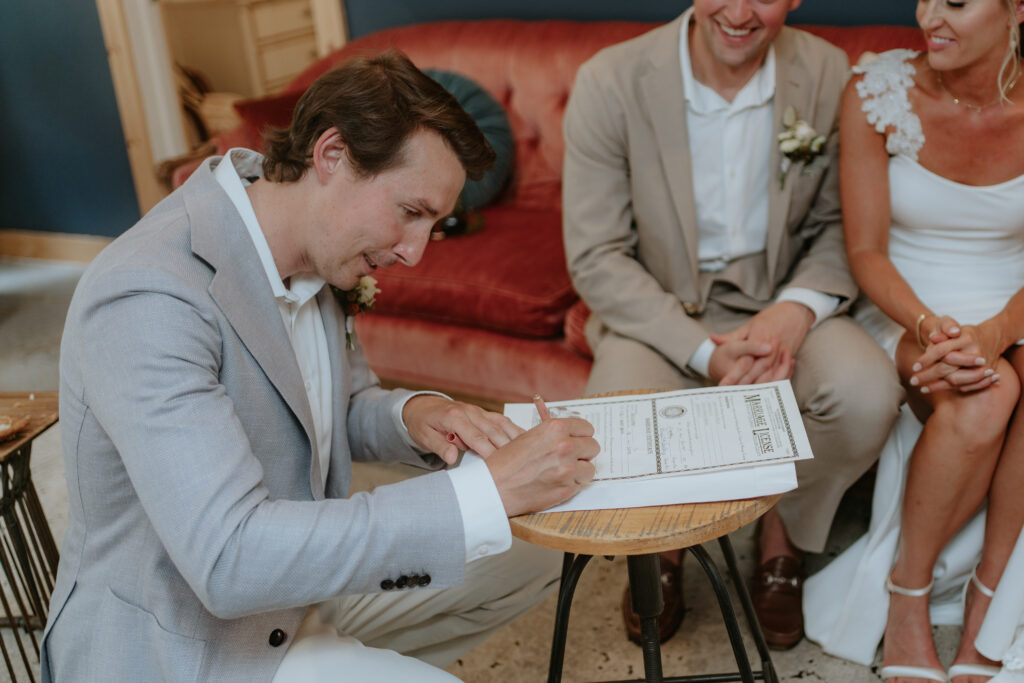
961, 249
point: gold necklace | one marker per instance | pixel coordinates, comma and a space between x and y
973, 107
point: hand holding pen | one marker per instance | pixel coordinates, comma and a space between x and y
545, 466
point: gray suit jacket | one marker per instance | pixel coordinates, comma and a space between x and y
197, 521
629, 207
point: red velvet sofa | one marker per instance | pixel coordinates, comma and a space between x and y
493, 314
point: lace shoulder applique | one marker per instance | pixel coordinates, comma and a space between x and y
884, 93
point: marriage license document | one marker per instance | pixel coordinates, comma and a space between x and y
727, 442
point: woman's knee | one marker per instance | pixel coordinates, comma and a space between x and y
980, 418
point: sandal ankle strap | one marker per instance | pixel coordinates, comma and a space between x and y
982, 588
909, 592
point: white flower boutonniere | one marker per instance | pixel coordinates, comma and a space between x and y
800, 142
359, 299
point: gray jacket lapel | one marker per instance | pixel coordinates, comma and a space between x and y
663, 90
791, 89
240, 288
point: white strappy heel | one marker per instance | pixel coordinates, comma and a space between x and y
897, 670
975, 669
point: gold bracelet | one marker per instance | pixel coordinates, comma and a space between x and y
920, 319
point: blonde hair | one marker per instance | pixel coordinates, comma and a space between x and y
1010, 71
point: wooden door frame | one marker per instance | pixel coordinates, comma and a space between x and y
129, 103
332, 33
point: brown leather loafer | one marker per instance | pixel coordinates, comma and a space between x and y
778, 601
671, 616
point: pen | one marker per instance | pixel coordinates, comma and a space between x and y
542, 409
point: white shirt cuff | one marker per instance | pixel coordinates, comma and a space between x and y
822, 305
396, 414
700, 361
483, 515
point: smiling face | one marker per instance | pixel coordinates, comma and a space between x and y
964, 32
737, 33
360, 224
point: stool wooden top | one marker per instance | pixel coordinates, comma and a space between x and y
638, 531
40, 409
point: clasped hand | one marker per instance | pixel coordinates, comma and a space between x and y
960, 357
764, 348
532, 470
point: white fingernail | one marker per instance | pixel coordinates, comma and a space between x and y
979, 361
925, 390
995, 378
989, 372
954, 330
917, 367
914, 381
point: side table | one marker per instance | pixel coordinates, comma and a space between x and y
28, 554
640, 534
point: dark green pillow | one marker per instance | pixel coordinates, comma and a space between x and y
491, 118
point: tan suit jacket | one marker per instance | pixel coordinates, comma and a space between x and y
628, 200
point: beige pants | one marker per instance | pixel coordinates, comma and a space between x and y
412, 635
847, 389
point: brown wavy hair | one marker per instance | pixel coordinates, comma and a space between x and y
376, 103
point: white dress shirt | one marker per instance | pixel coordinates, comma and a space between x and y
483, 515
733, 143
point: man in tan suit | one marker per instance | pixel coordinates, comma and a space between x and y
710, 257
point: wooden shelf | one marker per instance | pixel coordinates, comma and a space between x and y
248, 47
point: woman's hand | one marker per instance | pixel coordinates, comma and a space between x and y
936, 329
964, 362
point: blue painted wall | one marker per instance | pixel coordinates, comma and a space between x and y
366, 16
63, 164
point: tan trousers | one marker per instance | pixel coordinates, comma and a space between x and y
847, 389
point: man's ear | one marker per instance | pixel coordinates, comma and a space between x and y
793, 4
1019, 13
329, 154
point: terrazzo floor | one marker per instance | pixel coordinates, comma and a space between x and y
33, 301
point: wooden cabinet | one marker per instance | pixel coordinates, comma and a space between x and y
248, 47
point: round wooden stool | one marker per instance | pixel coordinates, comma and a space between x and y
640, 534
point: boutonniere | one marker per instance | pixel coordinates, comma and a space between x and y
800, 142
359, 299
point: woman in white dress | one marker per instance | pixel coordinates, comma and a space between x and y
932, 181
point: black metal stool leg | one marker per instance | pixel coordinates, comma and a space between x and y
572, 567
748, 609
728, 613
648, 602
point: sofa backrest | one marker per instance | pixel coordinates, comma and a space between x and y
529, 67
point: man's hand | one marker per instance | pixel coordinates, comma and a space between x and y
764, 348
545, 466
431, 419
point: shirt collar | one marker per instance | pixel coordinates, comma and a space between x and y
234, 177
758, 91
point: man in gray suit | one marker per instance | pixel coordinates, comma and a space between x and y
211, 407
711, 251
